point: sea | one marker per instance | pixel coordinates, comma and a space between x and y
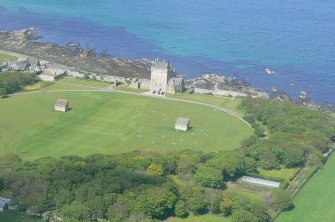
238, 38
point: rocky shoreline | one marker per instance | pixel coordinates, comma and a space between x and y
71, 55
87, 60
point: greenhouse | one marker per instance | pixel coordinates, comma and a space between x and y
260, 182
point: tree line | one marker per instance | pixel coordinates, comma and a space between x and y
11, 82
297, 136
136, 186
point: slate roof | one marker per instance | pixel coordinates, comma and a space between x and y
61, 102
182, 121
23, 64
34, 63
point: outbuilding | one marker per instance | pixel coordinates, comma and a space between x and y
4, 204
62, 105
260, 182
182, 124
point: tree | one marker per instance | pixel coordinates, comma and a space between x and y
260, 210
97, 207
209, 177
294, 156
249, 141
230, 163
3, 92
281, 199
180, 209
119, 211
227, 206
76, 211
86, 76
259, 131
156, 202
242, 215
198, 202
250, 166
155, 169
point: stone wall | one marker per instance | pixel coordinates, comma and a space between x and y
144, 83
47, 78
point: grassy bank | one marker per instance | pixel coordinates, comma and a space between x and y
4, 57
226, 102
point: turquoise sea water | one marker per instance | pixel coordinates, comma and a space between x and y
240, 37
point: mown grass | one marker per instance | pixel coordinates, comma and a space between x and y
282, 174
37, 86
316, 201
4, 57
84, 82
223, 101
127, 89
103, 122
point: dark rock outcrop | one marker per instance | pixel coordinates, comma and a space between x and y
83, 59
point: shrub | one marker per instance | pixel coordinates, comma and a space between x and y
180, 209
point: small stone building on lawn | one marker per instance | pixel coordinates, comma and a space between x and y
62, 105
182, 124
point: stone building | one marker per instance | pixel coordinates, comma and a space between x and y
182, 124
4, 204
164, 79
62, 105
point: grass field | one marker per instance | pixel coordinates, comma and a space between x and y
101, 122
316, 201
226, 102
285, 174
204, 218
4, 57
248, 194
67, 84
84, 82
127, 89
37, 86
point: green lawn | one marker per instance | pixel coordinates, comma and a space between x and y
285, 174
248, 194
12, 216
316, 201
223, 101
103, 122
84, 82
4, 57
37, 86
68, 84
127, 89
204, 218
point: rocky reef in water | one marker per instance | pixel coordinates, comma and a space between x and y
72, 55
216, 83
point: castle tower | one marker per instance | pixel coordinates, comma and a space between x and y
161, 72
